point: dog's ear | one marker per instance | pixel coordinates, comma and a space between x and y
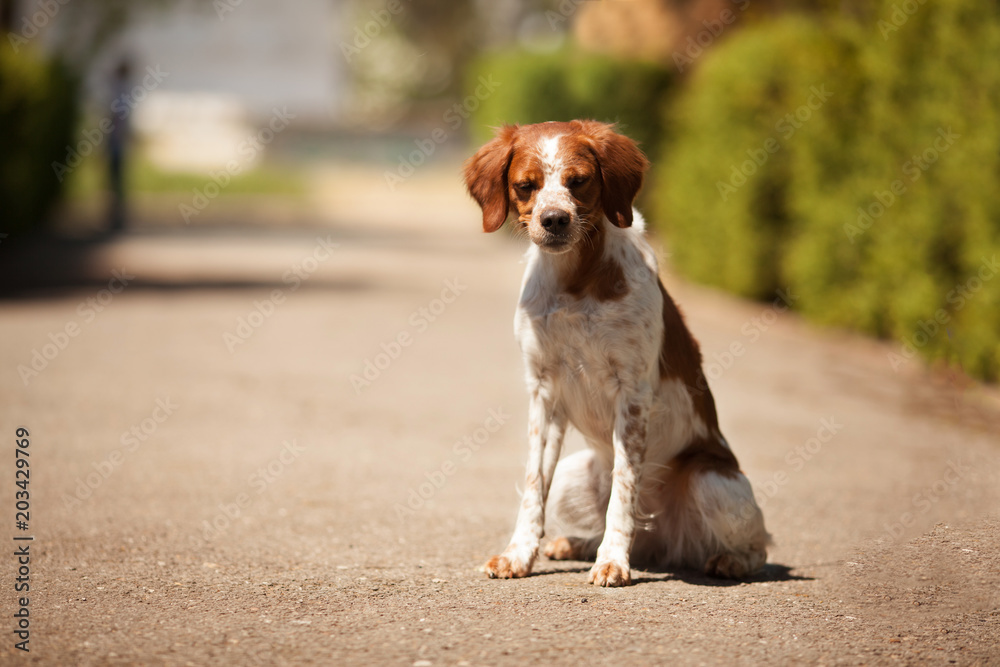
486, 177
622, 167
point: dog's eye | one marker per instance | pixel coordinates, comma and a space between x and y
577, 181
524, 187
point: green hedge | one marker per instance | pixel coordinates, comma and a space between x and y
878, 208
568, 84
38, 112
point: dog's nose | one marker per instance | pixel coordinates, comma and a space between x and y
555, 220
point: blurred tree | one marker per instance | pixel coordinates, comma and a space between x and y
679, 31
416, 62
6, 17
38, 110
75, 31
854, 163
453, 32
46, 51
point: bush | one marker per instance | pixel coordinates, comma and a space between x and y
880, 211
38, 111
723, 190
568, 84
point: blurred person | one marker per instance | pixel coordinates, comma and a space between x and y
118, 140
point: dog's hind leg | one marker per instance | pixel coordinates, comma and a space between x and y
578, 503
703, 519
733, 522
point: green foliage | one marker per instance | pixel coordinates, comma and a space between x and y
567, 84
38, 111
723, 187
881, 211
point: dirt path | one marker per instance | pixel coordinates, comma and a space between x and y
210, 492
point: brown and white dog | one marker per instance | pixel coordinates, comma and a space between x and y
607, 351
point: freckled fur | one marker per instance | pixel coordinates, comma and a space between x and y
607, 351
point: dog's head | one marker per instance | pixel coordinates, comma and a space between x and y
559, 178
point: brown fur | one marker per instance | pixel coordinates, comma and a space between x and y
705, 455
680, 357
622, 167
486, 177
598, 277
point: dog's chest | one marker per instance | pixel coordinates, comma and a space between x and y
586, 353
556, 316
567, 336
569, 350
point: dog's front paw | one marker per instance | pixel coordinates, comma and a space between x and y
610, 573
503, 567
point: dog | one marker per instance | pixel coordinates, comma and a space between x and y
607, 351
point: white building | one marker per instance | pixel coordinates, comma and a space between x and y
223, 69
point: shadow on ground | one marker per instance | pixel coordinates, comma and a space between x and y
47, 266
770, 573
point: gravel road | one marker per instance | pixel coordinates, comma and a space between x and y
298, 447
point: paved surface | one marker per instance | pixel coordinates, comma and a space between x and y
203, 499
